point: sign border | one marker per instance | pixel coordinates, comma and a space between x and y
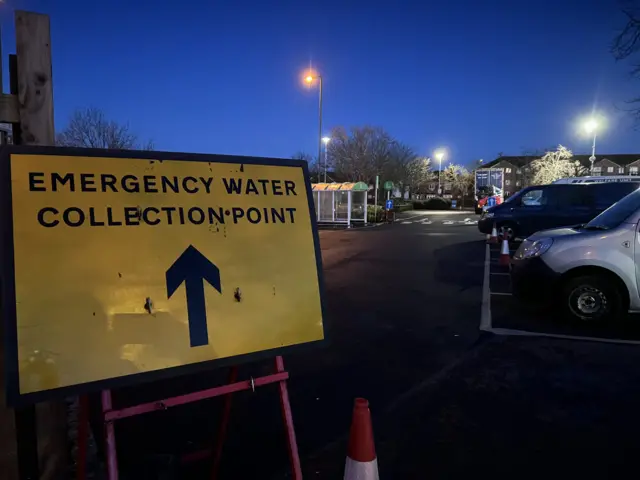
7, 272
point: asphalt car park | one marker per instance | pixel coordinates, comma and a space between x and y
504, 314
448, 400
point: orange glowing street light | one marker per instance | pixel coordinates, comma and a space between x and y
309, 80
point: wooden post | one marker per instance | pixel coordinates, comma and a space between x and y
16, 129
29, 108
35, 106
35, 82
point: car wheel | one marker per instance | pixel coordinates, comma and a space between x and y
592, 298
507, 230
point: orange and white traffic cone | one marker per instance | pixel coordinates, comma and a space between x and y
362, 463
494, 234
505, 259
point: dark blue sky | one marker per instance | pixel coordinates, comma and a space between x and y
479, 77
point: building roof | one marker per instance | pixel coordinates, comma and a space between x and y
341, 187
621, 159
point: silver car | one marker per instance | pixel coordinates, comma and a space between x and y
591, 270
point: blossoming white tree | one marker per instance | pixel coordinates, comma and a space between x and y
555, 165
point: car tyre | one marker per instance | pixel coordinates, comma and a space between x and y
508, 228
592, 299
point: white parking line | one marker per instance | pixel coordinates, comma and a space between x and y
447, 212
408, 218
486, 323
447, 222
405, 223
524, 333
485, 310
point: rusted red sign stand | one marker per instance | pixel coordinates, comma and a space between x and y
110, 415
391, 216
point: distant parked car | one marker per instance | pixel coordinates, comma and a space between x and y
548, 206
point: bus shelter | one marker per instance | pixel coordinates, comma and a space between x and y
340, 203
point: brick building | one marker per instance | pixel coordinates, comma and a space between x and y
517, 173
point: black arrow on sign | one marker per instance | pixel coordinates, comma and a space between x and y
193, 268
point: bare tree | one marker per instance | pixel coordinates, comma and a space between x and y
90, 128
364, 152
315, 171
410, 172
626, 45
360, 154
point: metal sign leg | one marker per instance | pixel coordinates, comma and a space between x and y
294, 458
224, 423
110, 438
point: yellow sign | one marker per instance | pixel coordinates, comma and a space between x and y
124, 266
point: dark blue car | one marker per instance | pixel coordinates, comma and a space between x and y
549, 206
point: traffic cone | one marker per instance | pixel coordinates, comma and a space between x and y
505, 259
494, 234
362, 463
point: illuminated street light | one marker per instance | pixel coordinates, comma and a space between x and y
591, 127
439, 154
309, 80
326, 141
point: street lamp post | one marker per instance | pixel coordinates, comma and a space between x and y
591, 126
326, 141
309, 79
439, 155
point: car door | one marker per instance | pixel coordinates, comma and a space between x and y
572, 205
531, 212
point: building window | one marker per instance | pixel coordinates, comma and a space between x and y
517, 183
507, 170
621, 170
507, 182
447, 186
507, 193
633, 170
609, 169
519, 171
432, 186
597, 169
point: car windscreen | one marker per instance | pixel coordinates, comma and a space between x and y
484, 191
617, 213
516, 195
510, 198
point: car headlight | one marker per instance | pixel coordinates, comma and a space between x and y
534, 249
489, 215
